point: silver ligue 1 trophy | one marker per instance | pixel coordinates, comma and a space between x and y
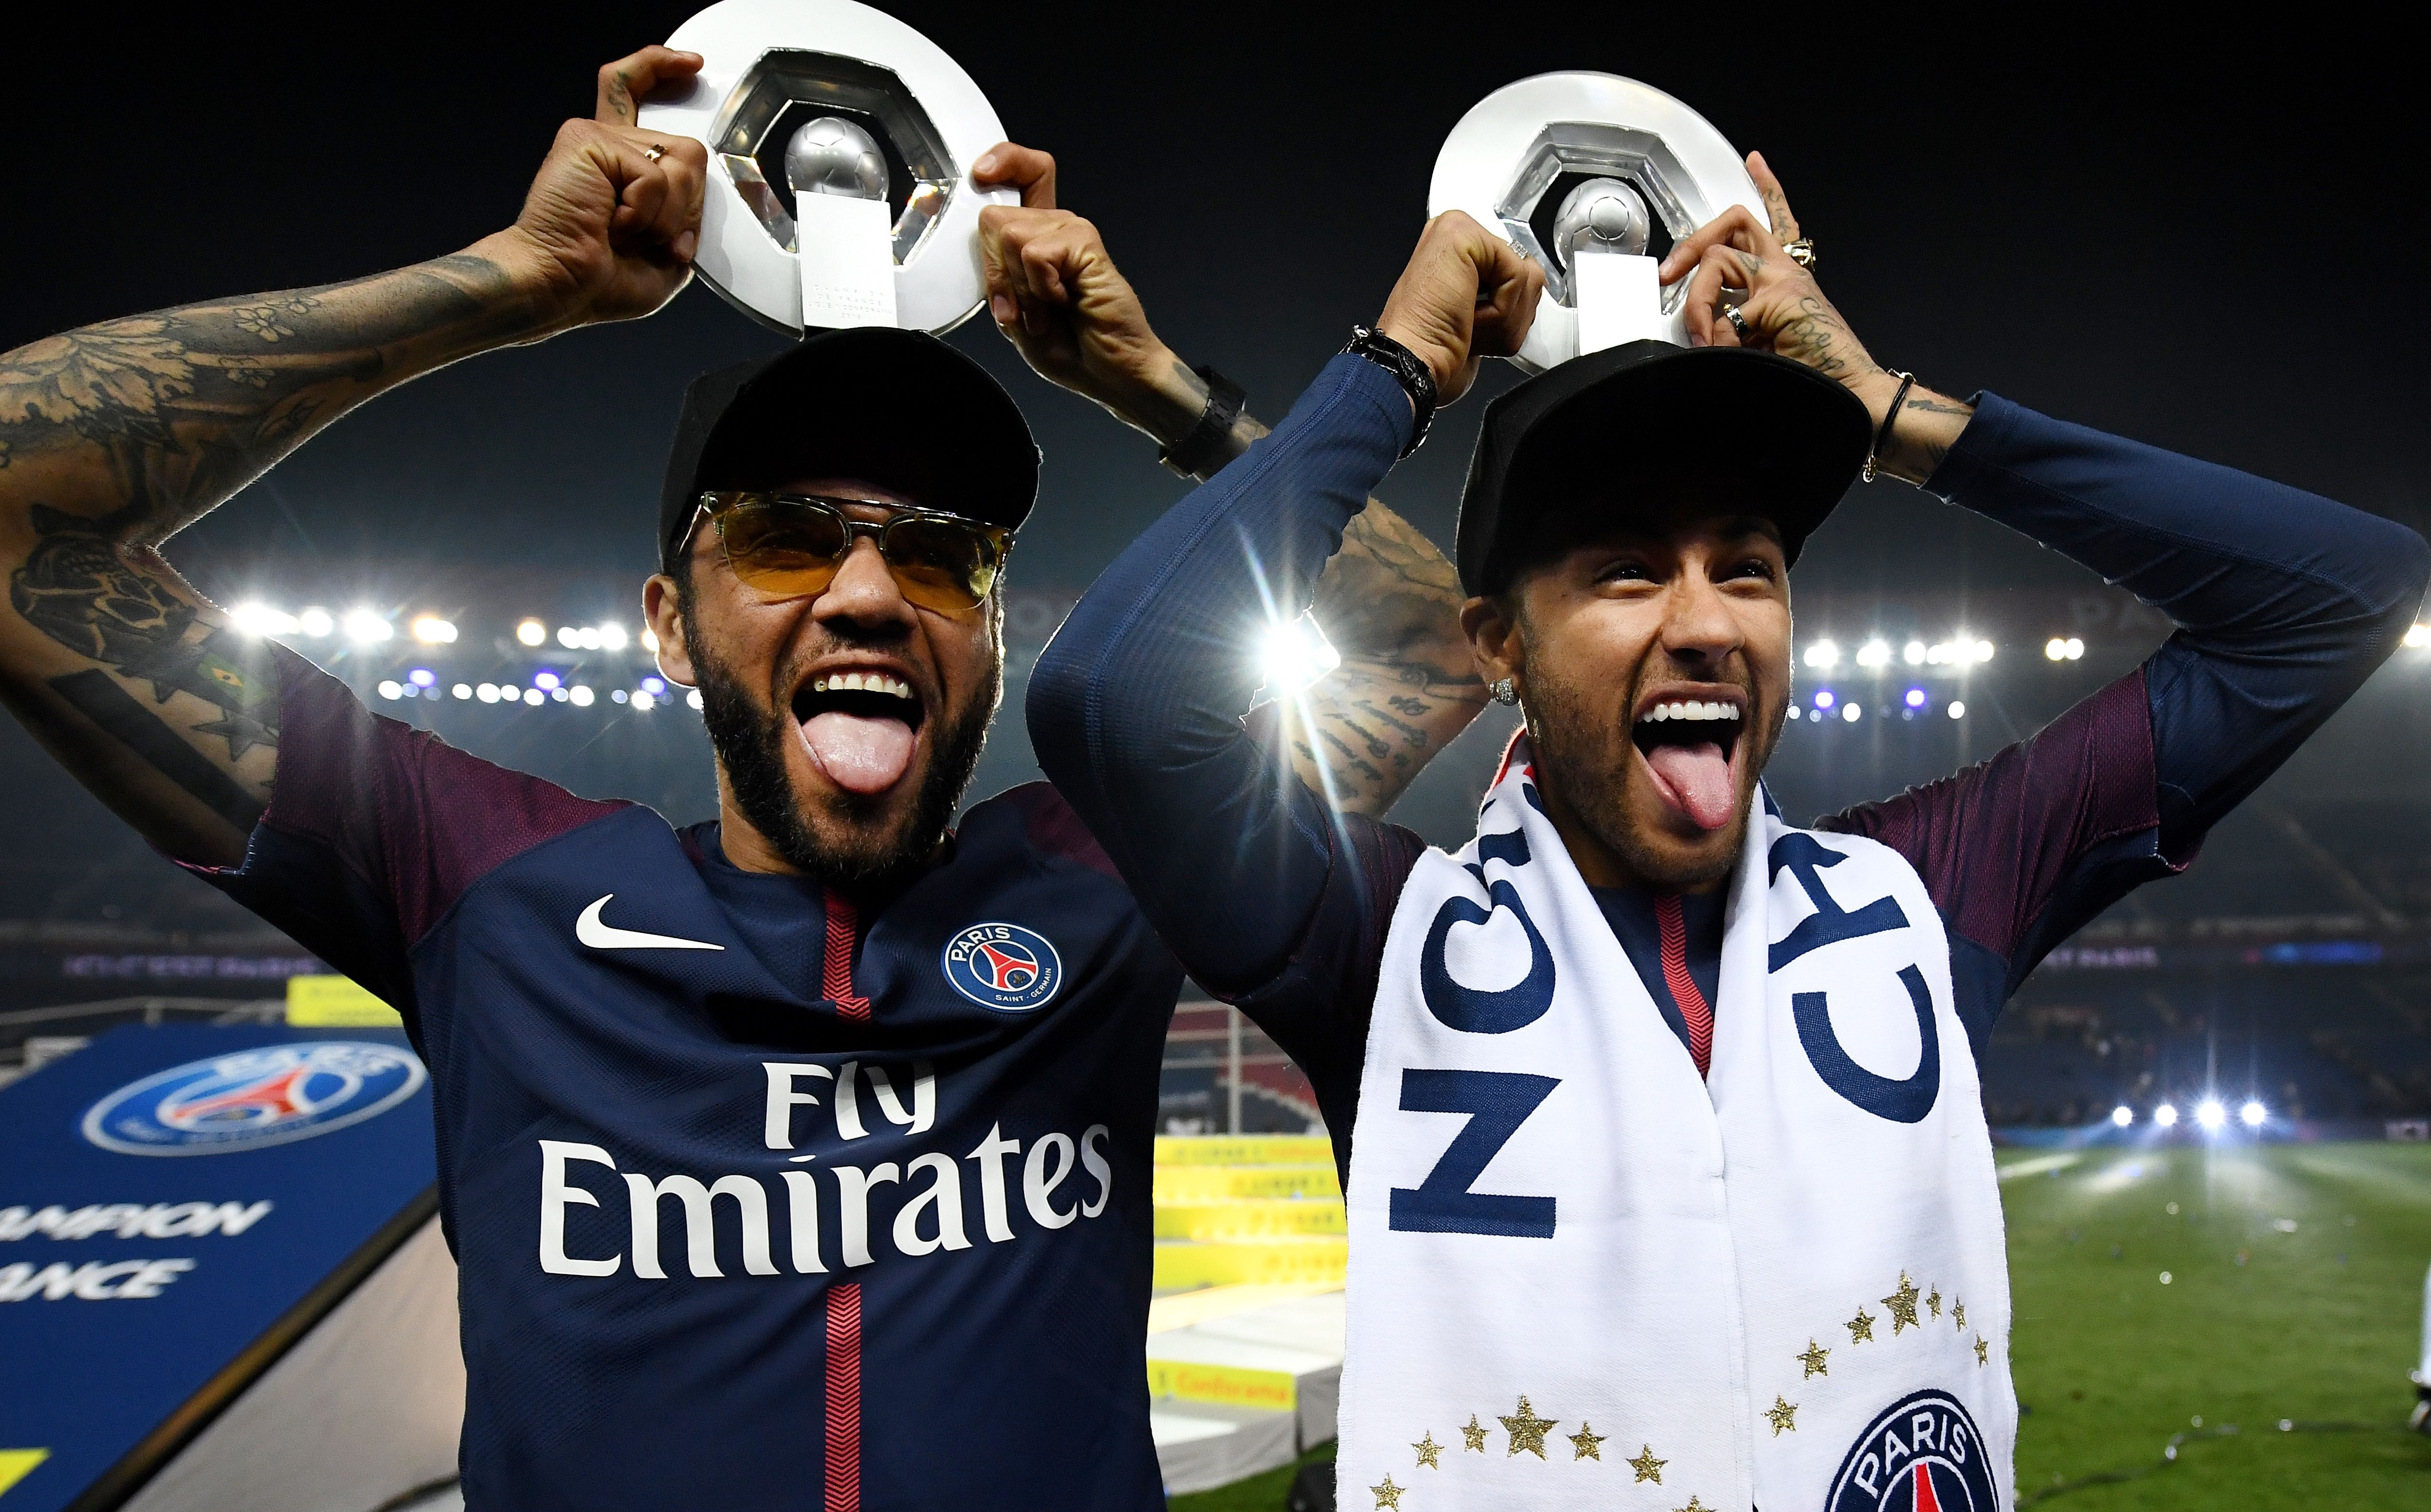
1594, 177
840, 144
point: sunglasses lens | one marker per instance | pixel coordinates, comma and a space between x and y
783, 548
941, 564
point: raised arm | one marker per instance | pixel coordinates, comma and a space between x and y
2284, 602
1387, 600
1136, 708
115, 436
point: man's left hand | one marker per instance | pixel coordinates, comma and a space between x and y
1059, 298
1786, 313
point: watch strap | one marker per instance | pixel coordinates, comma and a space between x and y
1416, 379
1209, 446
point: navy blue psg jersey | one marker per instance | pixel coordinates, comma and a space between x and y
758, 1202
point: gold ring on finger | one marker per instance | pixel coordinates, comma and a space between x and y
1802, 252
657, 150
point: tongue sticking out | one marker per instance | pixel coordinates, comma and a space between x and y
1695, 779
858, 754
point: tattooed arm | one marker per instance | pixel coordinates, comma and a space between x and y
1786, 313
1390, 604
115, 436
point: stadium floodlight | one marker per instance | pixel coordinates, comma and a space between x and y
581, 696
1823, 699
1957, 708
545, 680
693, 699
389, 688
2210, 1115
432, 631
422, 677
612, 637
463, 690
655, 687
2122, 1116
644, 702
2166, 1116
315, 621
1874, 653
367, 625
1914, 654
2075, 649
2253, 1113
2418, 636
1852, 713
532, 632
569, 637
2055, 649
533, 695
1916, 698
1824, 655
254, 618
1296, 655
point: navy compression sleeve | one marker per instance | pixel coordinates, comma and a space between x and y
1135, 707
2285, 601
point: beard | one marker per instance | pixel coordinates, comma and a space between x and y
875, 860
1577, 759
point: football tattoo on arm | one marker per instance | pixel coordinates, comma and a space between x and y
115, 436
1390, 604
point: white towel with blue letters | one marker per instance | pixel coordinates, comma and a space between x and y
1582, 1276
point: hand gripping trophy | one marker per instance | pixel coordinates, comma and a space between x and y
840, 144
1594, 177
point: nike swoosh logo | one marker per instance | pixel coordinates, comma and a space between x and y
600, 936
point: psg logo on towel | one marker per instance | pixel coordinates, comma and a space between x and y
1923, 1455
1004, 966
254, 1098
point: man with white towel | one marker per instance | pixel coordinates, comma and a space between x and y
1670, 1185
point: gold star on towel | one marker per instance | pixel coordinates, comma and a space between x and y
1389, 1494
1527, 1430
1958, 1314
1647, 1466
1694, 1506
1587, 1442
1813, 1359
1474, 1433
1902, 1305
1981, 1350
1783, 1415
1429, 1453
1933, 1301
1861, 1328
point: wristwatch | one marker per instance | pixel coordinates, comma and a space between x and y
1209, 446
1418, 380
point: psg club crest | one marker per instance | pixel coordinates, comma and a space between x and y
255, 1097
1923, 1455
1004, 966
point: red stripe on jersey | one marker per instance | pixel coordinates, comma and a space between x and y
835, 975
843, 1398
1924, 1500
1694, 1010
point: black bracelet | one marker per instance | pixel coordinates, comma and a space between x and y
1209, 446
1418, 380
1873, 453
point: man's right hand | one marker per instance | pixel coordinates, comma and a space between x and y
1466, 296
609, 232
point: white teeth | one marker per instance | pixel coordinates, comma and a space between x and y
1682, 710
863, 682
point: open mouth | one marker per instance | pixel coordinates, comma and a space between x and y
1690, 746
860, 727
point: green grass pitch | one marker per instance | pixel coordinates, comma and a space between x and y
2258, 1322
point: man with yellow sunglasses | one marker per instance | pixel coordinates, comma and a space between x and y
799, 1157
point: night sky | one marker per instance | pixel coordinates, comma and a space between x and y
2201, 242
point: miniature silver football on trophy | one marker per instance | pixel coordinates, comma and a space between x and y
1601, 215
832, 155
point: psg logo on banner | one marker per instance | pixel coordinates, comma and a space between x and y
1923, 1455
1004, 966
254, 1098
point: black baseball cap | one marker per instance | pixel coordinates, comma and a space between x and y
897, 408
1648, 424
